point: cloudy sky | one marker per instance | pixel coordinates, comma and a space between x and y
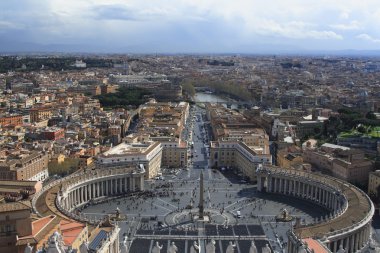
173, 26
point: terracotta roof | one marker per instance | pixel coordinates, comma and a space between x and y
41, 228
315, 245
39, 224
70, 230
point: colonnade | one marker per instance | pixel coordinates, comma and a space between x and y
101, 187
349, 233
297, 186
99, 183
351, 242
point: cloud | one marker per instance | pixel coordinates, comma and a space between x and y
131, 12
216, 24
353, 25
345, 14
293, 30
364, 36
114, 12
5, 25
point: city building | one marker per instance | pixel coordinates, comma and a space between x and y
15, 190
24, 165
342, 162
374, 183
16, 224
148, 154
289, 157
237, 155
40, 114
52, 133
174, 152
11, 120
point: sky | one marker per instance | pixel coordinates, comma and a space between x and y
189, 26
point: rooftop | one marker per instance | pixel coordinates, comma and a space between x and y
128, 148
16, 206
70, 230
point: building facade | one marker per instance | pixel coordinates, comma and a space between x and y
40, 114
233, 154
342, 162
32, 166
15, 222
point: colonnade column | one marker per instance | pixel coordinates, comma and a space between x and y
328, 200
361, 238
356, 244
285, 185
75, 198
347, 244
352, 241
276, 185
303, 189
299, 188
68, 201
291, 189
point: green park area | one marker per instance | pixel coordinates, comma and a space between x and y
362, 131
124, 97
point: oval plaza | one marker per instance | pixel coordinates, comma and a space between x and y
345, 226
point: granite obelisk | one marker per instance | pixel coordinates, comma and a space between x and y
201, 196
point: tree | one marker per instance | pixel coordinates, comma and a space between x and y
361, 129
188, 88
370, 115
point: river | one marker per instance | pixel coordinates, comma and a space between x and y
202, 97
